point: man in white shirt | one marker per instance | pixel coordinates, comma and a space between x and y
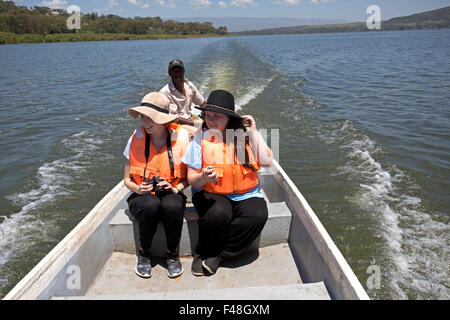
181, 92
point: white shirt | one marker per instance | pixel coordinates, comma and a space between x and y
126, 152
180, 104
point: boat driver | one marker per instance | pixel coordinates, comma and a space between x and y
181, 92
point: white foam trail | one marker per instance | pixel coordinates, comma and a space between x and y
203, 88
412, 236
223, 76
246, 98
22, 229
206, 78
373, 197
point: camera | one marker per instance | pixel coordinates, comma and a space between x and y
159, 191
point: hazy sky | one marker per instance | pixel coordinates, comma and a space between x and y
349, 10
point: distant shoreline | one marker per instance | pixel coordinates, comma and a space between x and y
347, 28
429, 20
19, 24
13, 38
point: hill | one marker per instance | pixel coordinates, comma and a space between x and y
237, 24
435, 19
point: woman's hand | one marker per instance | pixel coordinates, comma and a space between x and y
257, 143
144, 187
249, 122
210, 175
166, 185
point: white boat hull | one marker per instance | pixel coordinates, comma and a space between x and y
70, 269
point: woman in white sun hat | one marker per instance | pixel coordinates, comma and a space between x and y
156, 176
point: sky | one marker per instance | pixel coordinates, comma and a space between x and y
347, 10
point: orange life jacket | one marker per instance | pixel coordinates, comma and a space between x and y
233, 177
157, 163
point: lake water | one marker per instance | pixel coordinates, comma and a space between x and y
364, 122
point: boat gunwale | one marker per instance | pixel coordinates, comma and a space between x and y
38, 279
338, 266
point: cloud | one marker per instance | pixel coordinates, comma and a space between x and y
198, 4
111, 4
165, 4
243, 3
323, 1
138, 3
289, 2
222, 4
299, 2
54, 4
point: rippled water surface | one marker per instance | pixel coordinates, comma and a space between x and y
364, 122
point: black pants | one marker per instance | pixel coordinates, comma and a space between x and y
227, 228
149, 210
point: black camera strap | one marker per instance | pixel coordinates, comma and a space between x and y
169, 151
147, 150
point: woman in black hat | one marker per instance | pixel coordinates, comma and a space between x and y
223, 161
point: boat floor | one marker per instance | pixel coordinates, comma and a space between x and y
269, 266
267, 271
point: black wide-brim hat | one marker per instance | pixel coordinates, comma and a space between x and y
220, 101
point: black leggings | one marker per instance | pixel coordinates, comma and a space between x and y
227, 228
149, 209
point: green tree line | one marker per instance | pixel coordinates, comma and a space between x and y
43, 20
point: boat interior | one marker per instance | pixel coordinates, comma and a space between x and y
266, 271
294, 258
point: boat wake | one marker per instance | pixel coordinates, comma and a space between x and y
224, 67
251, 95
410, 245
416, 245
38, 218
